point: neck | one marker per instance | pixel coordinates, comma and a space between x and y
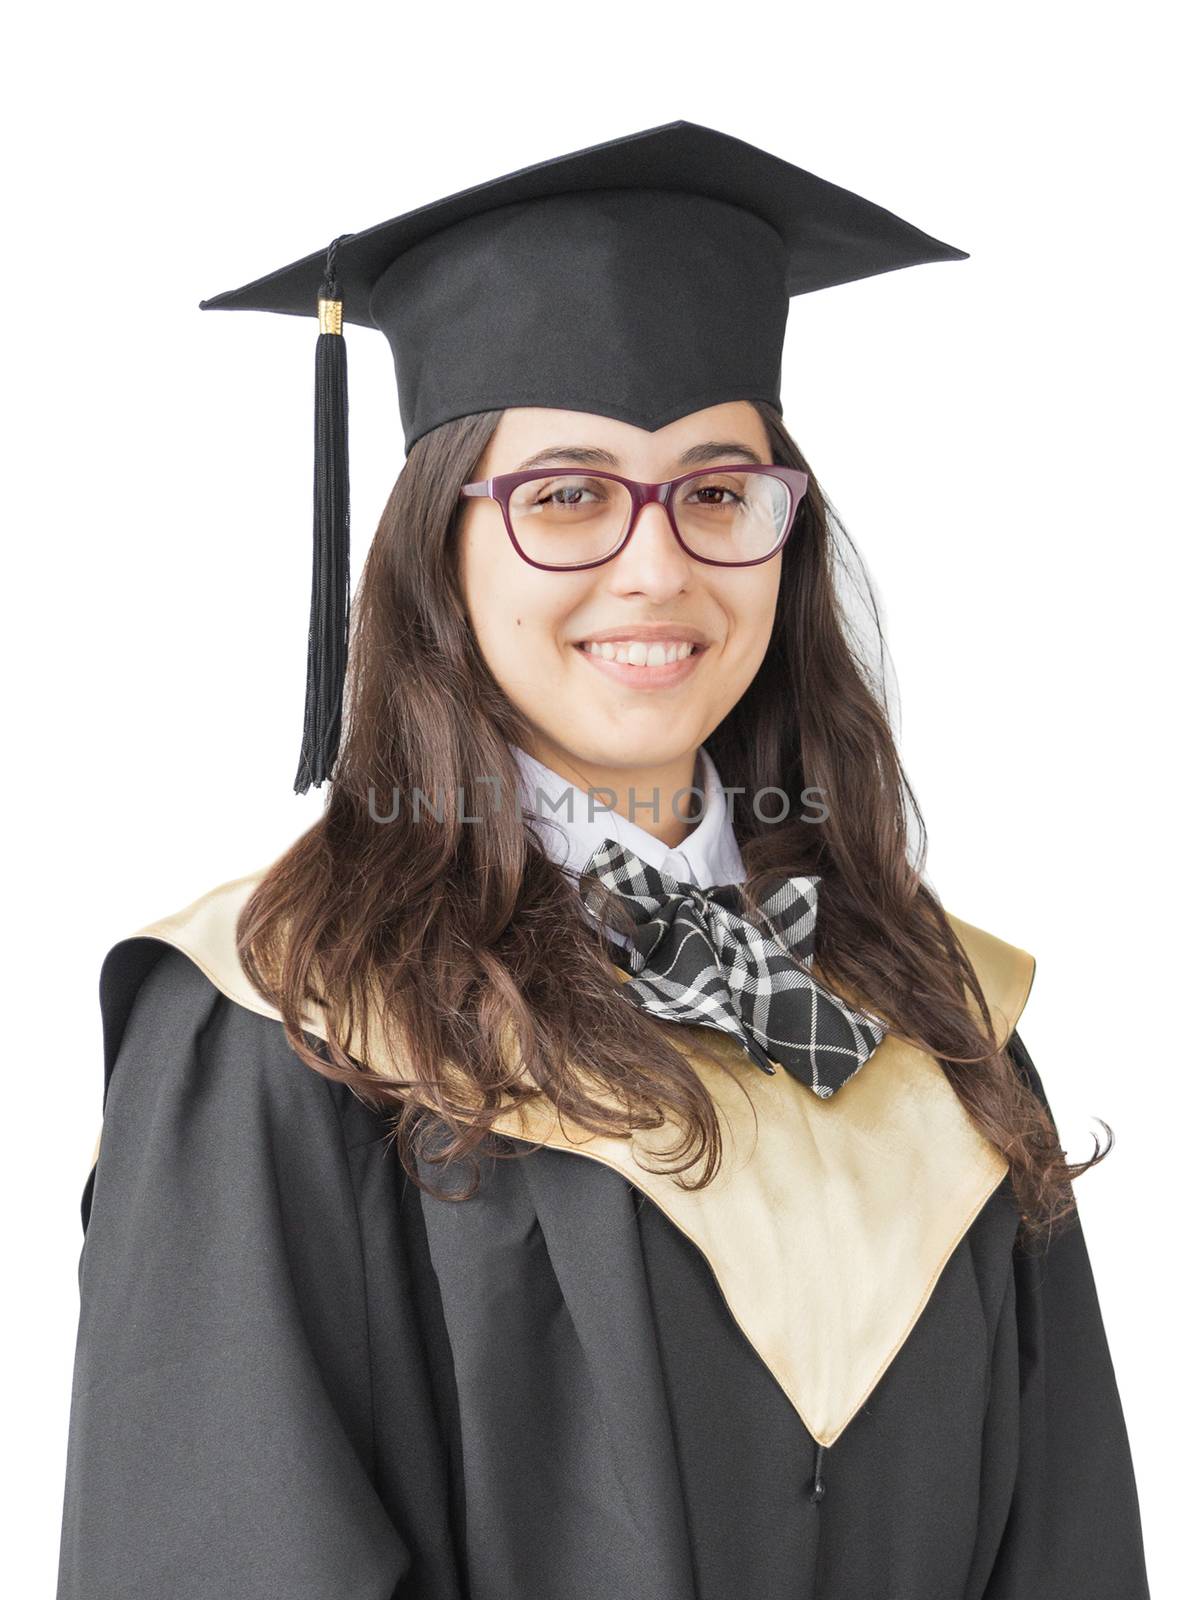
656, 798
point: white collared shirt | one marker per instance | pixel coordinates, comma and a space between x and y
571, 827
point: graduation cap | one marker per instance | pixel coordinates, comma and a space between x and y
642, 279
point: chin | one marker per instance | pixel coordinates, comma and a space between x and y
633, 748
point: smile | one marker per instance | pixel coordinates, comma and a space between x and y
640, 653
639, 664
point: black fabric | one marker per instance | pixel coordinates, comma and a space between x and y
642, 278
1073, 1525
298, 1376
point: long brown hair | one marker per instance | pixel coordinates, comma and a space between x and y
450, 938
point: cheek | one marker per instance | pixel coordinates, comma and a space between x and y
766, 605
518, 613
750, 603
485, 557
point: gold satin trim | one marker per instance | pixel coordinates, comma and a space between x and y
829, 1221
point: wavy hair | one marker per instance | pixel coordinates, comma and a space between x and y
453, 940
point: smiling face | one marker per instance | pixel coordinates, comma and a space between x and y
594, 717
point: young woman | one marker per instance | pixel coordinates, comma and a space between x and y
591, 1161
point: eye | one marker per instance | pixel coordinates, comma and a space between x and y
555, 493
713, 494
567, 494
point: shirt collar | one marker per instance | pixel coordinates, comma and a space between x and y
708, 855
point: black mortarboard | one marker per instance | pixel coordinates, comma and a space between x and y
642, 279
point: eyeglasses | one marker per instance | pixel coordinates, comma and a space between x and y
731, 516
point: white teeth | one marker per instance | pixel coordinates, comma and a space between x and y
636, 653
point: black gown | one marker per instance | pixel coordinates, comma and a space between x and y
299, 1378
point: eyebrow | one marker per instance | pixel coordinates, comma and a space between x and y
590, 456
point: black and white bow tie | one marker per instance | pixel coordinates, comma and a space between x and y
696, 958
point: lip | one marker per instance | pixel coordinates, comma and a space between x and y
642, 677
647, 633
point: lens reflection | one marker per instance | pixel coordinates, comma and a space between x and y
575, 518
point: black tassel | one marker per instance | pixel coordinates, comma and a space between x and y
326, 653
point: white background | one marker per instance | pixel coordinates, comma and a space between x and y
1002, 436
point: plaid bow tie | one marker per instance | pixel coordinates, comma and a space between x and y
697, 959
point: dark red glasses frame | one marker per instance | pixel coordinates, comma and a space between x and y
500, 488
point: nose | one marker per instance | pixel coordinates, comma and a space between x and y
652, 551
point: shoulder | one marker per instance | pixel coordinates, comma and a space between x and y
189, 1043
1005, 973
180, 969
204, 932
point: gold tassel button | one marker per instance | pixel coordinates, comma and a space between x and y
330, 316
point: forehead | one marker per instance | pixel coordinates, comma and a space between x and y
526, 432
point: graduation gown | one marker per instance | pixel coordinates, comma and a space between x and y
831, 1375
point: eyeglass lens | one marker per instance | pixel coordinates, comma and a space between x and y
568, 520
